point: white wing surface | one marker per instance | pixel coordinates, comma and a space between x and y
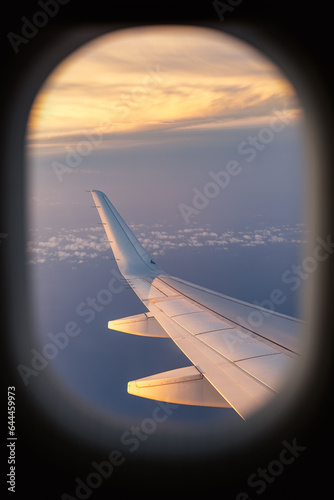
234, 364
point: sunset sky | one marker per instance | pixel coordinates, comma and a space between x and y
157, 80
145, 115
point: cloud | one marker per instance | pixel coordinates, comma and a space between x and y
75, 246
277, 239
155, 80
86, 244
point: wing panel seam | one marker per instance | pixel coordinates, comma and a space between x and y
232, 321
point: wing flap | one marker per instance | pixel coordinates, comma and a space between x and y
269, 368
242, 390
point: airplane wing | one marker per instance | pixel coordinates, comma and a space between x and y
240, 353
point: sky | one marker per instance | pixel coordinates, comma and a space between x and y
197, 139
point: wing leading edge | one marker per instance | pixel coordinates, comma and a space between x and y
234, 364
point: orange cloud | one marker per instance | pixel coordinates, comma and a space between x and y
141, 79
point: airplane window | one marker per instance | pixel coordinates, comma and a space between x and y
198, 141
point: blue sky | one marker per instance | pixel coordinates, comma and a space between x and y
151, 145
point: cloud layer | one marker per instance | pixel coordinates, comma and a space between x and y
75, 246
81, 245
151, 79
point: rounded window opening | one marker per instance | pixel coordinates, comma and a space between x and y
197, 140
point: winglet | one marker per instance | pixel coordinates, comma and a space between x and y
132, 259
